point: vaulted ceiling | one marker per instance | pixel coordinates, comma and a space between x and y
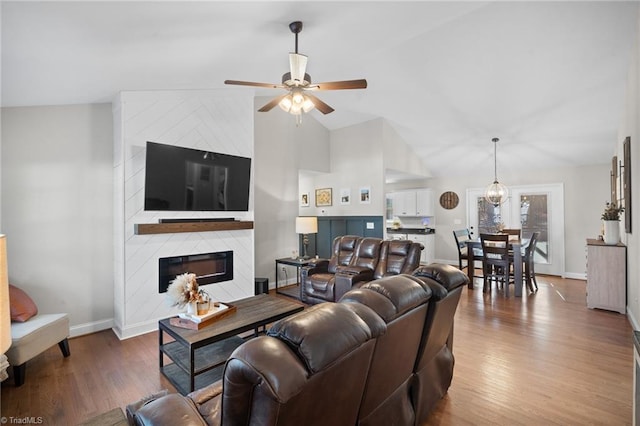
547, 78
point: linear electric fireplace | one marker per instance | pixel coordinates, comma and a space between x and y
208, 267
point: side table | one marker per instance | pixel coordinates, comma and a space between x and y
298, 263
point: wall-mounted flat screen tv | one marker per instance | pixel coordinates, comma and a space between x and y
186, 179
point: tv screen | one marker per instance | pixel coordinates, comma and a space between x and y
186, 179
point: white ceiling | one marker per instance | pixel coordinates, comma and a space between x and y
547, 78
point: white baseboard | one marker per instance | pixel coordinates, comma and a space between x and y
128, 332
136, 330
575, 275
632, 319
90, 327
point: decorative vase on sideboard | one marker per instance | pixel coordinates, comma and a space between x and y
611, 232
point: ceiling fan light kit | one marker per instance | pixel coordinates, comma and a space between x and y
297, 82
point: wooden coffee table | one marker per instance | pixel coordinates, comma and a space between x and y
199, 355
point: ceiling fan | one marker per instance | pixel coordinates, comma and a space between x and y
297, 83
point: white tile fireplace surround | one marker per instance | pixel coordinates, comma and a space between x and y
213, 120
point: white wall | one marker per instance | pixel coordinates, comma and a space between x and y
630, 126
397, 155
356, 161
281, 149
586, 189
57, 209
211, 120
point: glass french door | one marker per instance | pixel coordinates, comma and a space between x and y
532, 208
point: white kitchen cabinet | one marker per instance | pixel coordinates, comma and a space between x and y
428, 241
415, 202
424, 202
404, 203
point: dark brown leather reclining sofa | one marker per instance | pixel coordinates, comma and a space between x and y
380, 356
355, 261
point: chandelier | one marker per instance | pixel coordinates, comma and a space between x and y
496, 193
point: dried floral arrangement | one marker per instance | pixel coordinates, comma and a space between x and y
612, 212
184, 289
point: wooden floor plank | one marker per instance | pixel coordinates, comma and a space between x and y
540, 359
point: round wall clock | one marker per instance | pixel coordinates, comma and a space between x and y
449, 200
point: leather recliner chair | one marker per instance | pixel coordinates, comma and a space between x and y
402, 302
362, 267
398, 257
353, 256
317, 281
433, 370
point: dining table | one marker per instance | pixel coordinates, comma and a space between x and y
515, 245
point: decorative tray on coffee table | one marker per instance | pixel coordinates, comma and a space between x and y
196, 322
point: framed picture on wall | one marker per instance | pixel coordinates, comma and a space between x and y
626, 184
614, 180
345, 196
304, 199
323, 197
365, 195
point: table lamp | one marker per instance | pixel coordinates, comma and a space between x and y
5, 318
306, 225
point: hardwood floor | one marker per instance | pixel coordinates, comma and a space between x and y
542, 359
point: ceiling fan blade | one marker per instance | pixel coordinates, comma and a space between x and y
273, 102
321, 106
298, 66
341, 85
251, 83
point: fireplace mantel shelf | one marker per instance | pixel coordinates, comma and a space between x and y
170, 228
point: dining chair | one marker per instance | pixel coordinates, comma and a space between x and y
513, 233
496, 261
462, 236
527, 259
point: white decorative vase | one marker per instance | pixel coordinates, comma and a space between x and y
192, 308
611, 232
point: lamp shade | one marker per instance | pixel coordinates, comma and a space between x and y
5, 318
306, 225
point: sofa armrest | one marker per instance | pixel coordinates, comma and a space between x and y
135, 406
170, 410
353, 270
209, 402
203, 395
345, 281
315, 267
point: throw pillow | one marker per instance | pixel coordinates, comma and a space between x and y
20, 304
